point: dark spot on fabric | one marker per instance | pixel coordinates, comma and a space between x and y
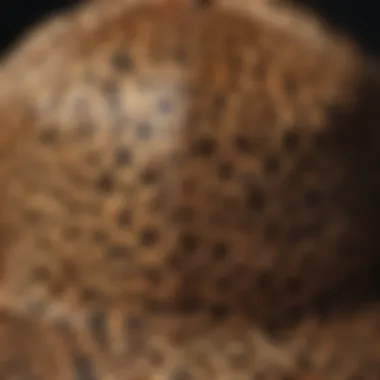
158, 202
190, 304
180, 54
153, 305
92, 158
231, 203
49, 136
288, 377
272, 230
219, 101
84, 131
243, 145
223, 284
304, 361
105, 183
99, 236
69, 271
83, 368
290, 84
219, 311
204, 3
271, 164
174, 262
144, 130
293, 285
236, 63
122, 61
181, 373
319, 142
336, 112
123, 157
153, 275
124, 218
313, 198
293, 316
189, 186
189, 243
156, 358
149, 176
97, 323
264, 281
219, 251
89, 294
323, 306
37, 307
225, 171
182, 214
298, 232
17, 368
117, 251
205, 147
177, 158
41, 273
165, 105
291, 140
256, 200
274, 327
357, 376
33, 216
72, 232
149, 236
43, 242
111, 92
259, 376
133, 323
57, 287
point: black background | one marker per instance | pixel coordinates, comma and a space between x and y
357, 17
17, 15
